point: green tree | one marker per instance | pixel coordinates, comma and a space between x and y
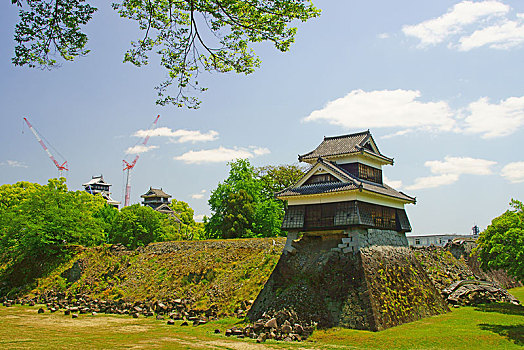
183, 211
239, 215
279, 177
189, 35
105, 216
242, 207
136, 226
501, 245
44, 220
268, 218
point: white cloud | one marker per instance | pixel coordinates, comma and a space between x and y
433, 181
494, 120
138, 149
397, 184
448, 171
469, 25
401, 109
199, 217
179, 136
385, 108
13, 164
220, 155
461, 165
398, 133
260, 151
199, 195
513, 172
383, 36
499, 36
195, 136
465, 13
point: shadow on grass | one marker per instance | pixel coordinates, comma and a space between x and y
502, 308
514, 333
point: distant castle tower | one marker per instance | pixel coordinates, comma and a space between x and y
97, 185
343, 195
157, 199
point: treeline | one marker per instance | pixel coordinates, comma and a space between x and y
45, 219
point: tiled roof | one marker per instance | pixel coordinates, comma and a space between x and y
339, 145
96, 180
388, 191
325, 187
352, 183
155, 192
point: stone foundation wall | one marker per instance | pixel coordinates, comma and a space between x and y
378, 237
358, 238
320, 285
399, 289
374, 288
366, 279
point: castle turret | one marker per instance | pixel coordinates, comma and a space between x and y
344, 194
97, 185
157, 199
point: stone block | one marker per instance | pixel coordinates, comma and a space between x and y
342, 245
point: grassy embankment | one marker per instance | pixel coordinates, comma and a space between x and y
496, 326
225, 273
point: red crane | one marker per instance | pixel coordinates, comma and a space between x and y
39, 139
128, 166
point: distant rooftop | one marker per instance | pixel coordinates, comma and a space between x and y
155, 192
345, 144
97, 180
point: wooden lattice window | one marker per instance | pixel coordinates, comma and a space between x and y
294, 217
346, 214
381, 217
402, 221
320, 215
351, 168
366, 172
363, 171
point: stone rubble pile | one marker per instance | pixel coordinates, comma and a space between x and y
282, 325
473, 292
174, 309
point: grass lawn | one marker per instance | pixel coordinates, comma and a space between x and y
495, 326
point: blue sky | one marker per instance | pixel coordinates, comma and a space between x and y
439, 84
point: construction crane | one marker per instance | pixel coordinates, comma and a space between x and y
61, 167
128, 166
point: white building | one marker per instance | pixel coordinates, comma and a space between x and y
436, 240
